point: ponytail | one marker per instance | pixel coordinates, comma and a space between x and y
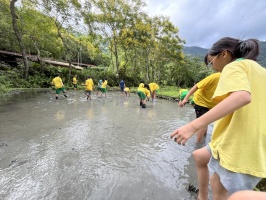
248, 49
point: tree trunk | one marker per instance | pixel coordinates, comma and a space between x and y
147, 67
116, 57
39, 56
19, 38
70, 69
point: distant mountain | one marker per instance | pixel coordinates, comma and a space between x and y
201, 52
195, 52
262, 56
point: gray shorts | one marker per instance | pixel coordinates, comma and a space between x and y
232, 181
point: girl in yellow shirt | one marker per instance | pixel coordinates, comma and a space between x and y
236, 153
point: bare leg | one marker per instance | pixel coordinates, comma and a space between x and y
200, 134
86, 95
218, 190
202, 157
144, 103
246, 194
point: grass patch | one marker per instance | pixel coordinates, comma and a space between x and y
169, 91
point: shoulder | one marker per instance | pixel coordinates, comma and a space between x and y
214, 75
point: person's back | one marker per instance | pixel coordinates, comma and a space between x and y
89, 84
59, 86
122, 83
104, 84
206, 89
153, 86
57, 81
100, 82
141, 85
127, 91
103, 88
143, 93
75, 80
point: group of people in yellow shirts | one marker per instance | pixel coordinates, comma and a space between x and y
145, 91
101, 87
59, 86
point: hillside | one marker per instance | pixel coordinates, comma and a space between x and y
201, 52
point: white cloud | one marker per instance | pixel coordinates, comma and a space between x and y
203, 22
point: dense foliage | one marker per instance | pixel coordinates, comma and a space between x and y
117, 36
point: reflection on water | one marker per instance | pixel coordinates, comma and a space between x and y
104, 148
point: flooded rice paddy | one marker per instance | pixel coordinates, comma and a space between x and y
104, 148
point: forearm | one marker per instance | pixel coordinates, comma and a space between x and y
232, 103
190, 92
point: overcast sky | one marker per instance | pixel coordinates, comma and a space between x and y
203, 22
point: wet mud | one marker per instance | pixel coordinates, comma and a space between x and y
104, 148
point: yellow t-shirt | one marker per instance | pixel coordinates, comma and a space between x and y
145, 91
153, 87
104, 84
239, 139
141, 85
206, 89
126, 89
75, 80
89, 84
57, 81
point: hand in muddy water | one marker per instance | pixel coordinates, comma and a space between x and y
182, 134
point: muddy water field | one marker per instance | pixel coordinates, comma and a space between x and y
104, 148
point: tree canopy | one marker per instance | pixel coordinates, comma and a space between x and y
114, 34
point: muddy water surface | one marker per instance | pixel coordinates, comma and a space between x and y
106, 148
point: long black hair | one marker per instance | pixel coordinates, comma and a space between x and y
248, 49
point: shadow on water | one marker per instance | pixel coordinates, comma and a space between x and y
106, 148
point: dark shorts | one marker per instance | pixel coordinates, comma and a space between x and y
122, 89
88, 92
75, 85
200, 110
103, 90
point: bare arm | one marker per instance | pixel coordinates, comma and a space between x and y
235, 101
185, 100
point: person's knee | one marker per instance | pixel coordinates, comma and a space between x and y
201, 157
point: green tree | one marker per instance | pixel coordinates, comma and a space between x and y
109, 18
19, 36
